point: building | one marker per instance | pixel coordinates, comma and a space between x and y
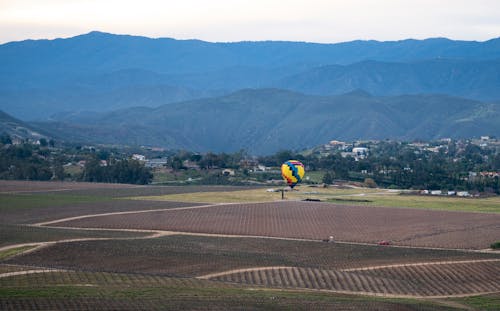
359, 152
138, 157
228, 172
153, 163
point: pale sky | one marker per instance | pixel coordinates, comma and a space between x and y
241, 20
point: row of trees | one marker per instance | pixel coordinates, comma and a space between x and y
126, 171
43, 162
26, 162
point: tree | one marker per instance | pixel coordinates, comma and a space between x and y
5, 139
370, 183
327, 178
59, 172
43, 142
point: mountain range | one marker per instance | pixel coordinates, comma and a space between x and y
103, 72
264, 121
260, 96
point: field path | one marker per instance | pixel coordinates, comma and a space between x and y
419, 264
214, 275
9, 274
45, 223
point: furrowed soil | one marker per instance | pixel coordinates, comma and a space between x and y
193, 256
111, 291
313, 220
246, 256
29, 209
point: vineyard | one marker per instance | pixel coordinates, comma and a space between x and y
81, 290
194, 256
313, 220
407, 280
81, 246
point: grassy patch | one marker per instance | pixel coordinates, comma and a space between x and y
315, 176
486, 302
165, 177
486, 205
14, 251
260, 195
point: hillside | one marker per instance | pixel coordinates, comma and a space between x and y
266, 120
471, 79
18, 129
103, 72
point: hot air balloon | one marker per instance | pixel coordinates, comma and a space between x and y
292, 172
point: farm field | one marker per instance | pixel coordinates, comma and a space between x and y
258, 195
342, 195
314, 220
193, 256
125, 247
113, 291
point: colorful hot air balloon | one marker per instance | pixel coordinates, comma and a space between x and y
292, 172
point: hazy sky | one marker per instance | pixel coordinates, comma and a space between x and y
238, 20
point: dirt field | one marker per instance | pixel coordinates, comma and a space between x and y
194, 256
42, 207
21, 186
312, 220
104, 189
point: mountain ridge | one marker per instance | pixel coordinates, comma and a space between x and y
101, 71
267, 120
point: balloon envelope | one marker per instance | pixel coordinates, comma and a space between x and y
292, 172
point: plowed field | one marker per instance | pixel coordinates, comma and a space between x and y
312, 220
412, 280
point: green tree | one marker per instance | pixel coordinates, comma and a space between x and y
5, 139
327, 178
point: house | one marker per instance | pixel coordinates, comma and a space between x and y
138, 157
359, 153
228, 172
153, 163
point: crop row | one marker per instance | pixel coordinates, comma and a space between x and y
182, 255
425, 280
311, 220
82, 278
